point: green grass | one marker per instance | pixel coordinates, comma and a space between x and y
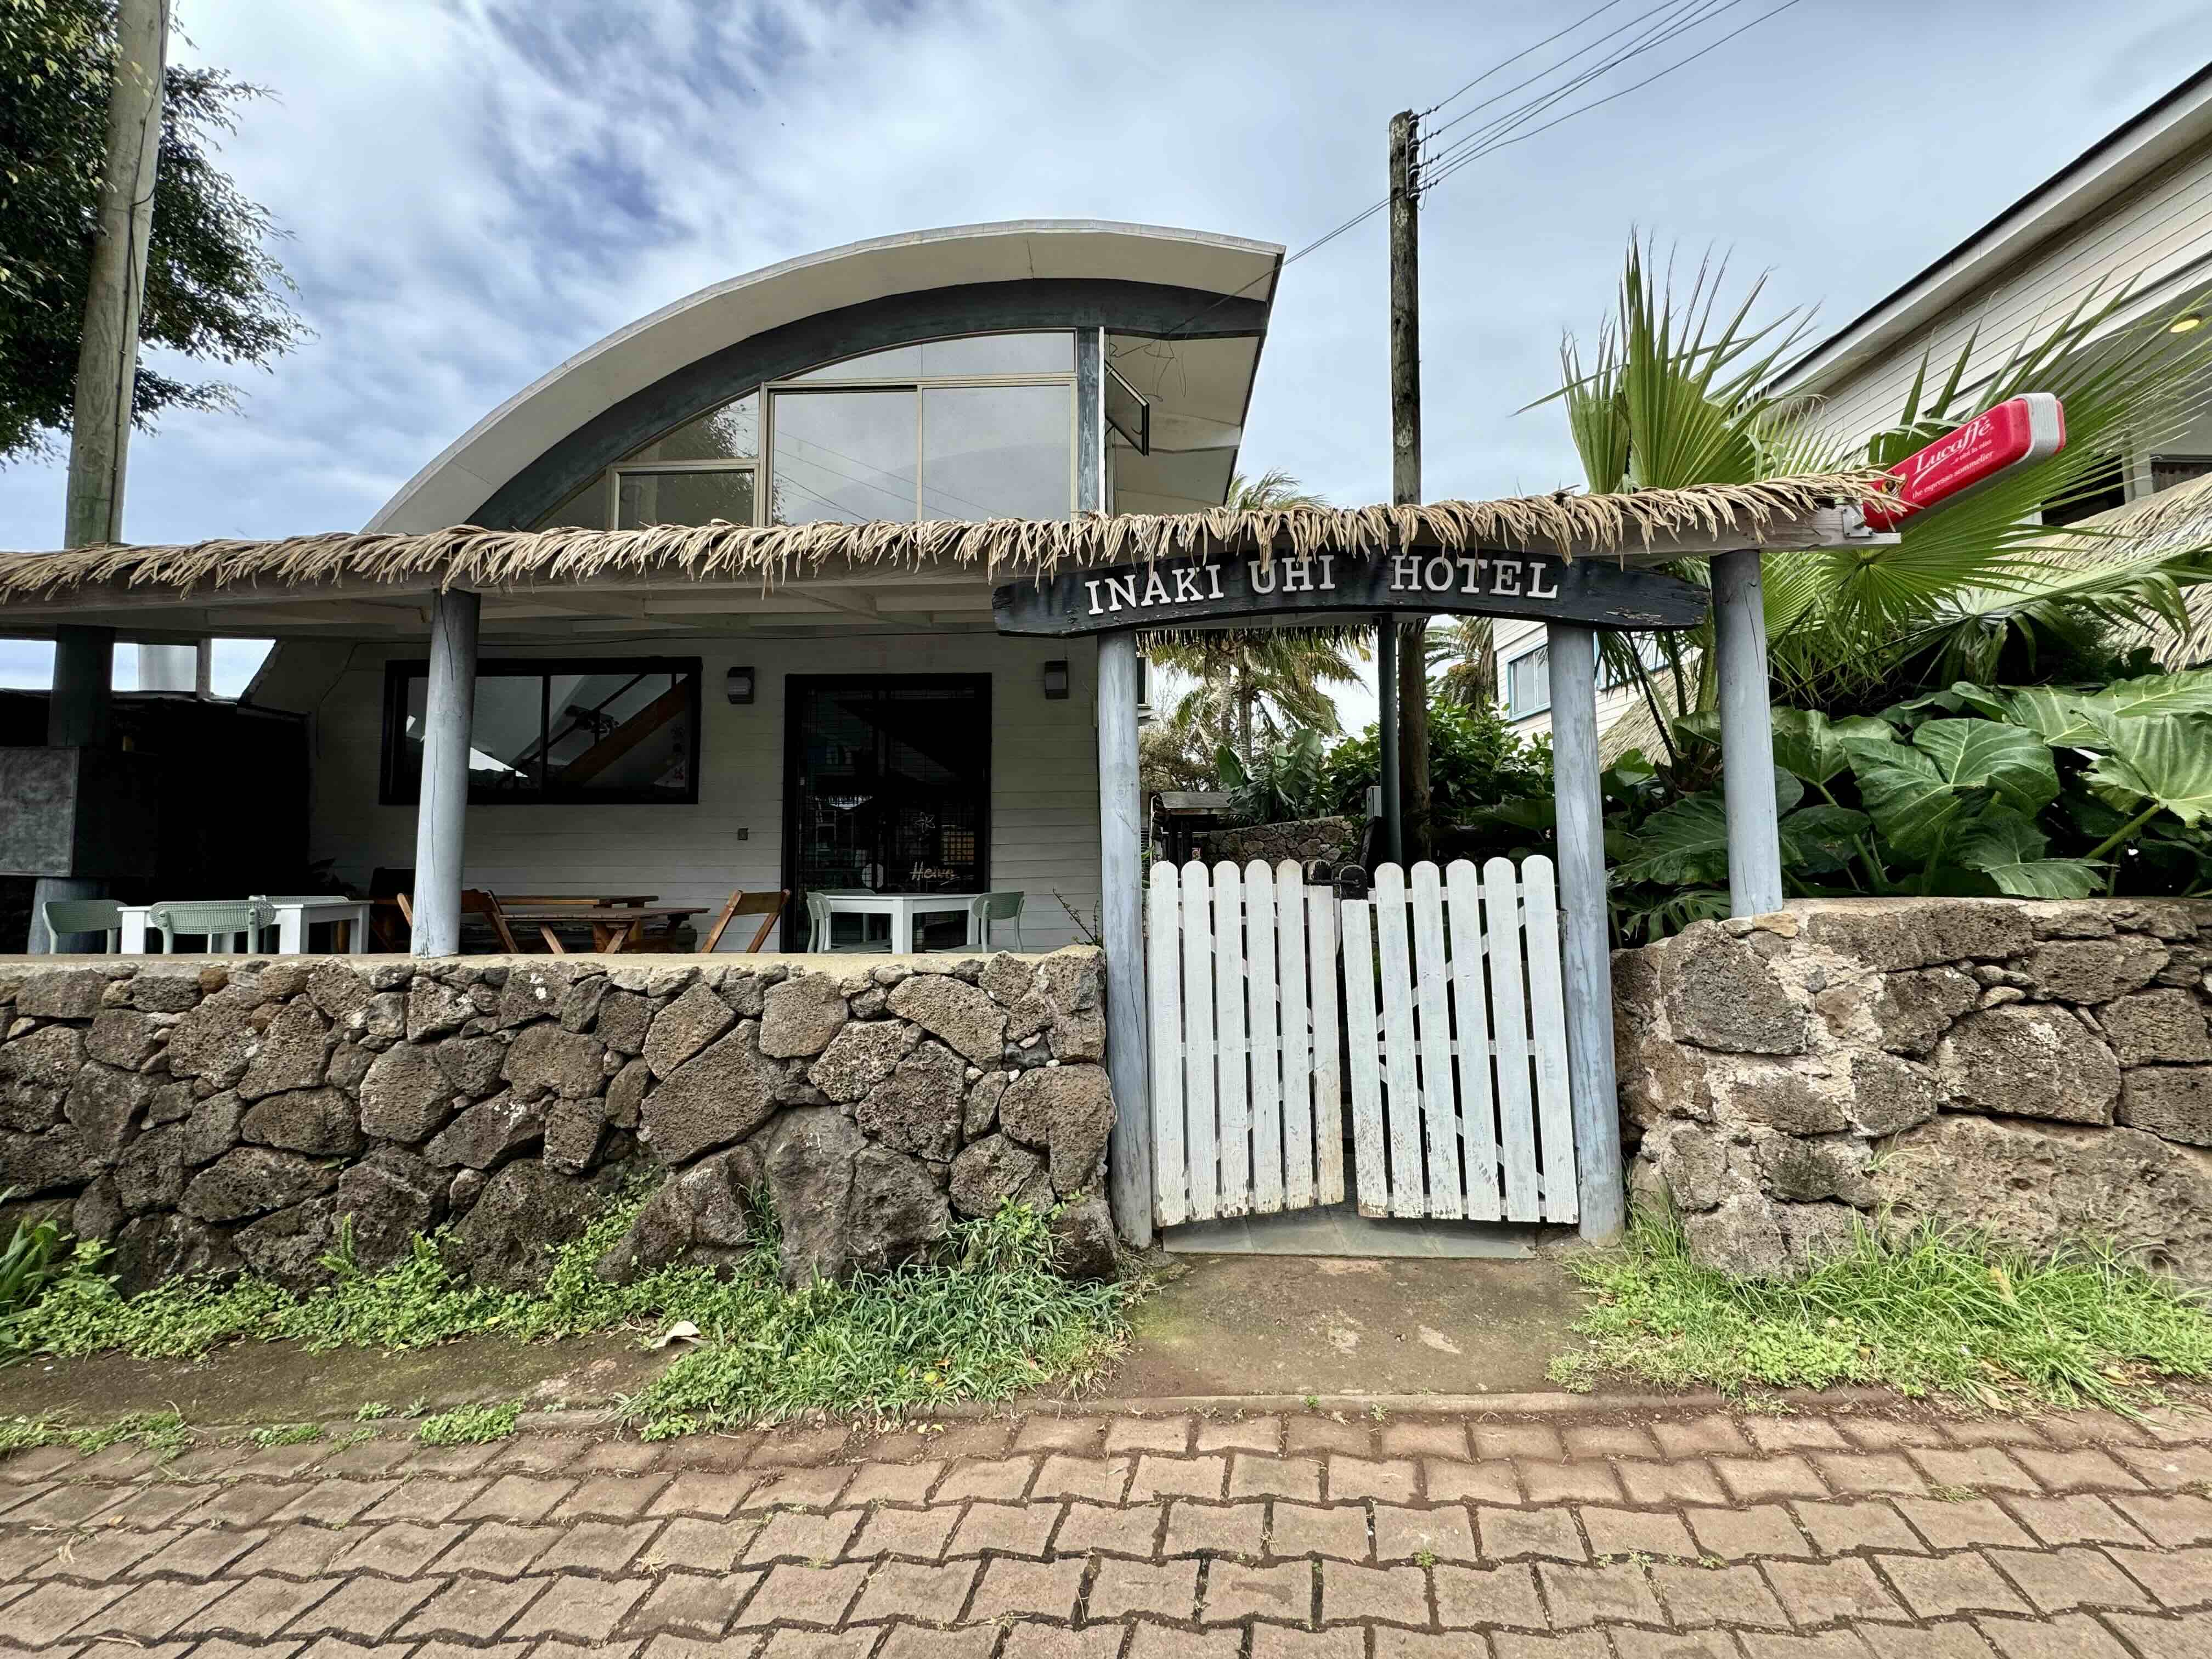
286, 1434
1922, 1314
988, 1318
470, 1425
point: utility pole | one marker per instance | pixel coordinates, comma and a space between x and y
107, 362
1412, 783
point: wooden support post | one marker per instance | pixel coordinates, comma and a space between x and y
448, 702
1412, 721
1121, 931
1585, 959
80, 714
1386, 726
1754, 835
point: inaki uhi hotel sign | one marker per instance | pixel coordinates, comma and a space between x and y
1338, 588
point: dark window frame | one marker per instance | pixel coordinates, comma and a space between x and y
398, 786
794, 918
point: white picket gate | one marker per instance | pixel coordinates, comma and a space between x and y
1454, 1031
1247, 1086
1459, 1078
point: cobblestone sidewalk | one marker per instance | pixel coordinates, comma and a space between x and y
1304, 1537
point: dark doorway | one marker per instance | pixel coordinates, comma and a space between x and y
887, 786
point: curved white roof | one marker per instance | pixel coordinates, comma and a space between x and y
492, 451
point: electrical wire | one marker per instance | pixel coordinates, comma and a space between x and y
1503, 62
1466, 114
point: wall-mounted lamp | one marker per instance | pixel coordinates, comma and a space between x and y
1055, 678
2188, 324
738, 683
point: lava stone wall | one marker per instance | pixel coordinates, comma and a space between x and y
224, 1116
2035, 1071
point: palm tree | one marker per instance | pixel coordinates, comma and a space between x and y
1266, 682
1677, 392
1466, 648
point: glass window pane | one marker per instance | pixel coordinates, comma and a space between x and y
845, 457
899, 363
626, 731
997, 451
503, 737
999, 354
585, 510
730, 433
648, 498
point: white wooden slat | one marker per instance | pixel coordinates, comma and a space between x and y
1548, 1022
1201, 1153
1516, 1118
1298, 1103
1361, 1032
1229, 990
1327, 1062
1263, 1036
1163, 956
1447, 1199
1401, 1068
1478, 1109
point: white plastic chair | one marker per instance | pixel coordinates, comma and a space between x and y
1004, 906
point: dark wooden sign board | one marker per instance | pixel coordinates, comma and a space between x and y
1328, 587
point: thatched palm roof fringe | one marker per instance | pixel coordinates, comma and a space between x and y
469, 557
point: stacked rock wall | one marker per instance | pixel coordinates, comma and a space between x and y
1332, 840
232, 1115
2039, 1071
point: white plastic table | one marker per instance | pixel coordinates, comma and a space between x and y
902, 908
295, 913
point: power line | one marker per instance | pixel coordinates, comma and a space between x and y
1514, 58
1553, 69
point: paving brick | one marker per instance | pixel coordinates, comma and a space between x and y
918, 1534
1936, 1587
1959, 1525
1877, 1432
1006, 1530
1540, 1441
1994, 1432
2169, 1468
1839, 1528
2089, 1426
94, 1558
1951, 1640
1257, 1476
1761, 1480
1766, 1529
806, 1596
1635, 1532
1826, 1644
150, 1611
714, 1493
904, 1589
792, 1447
364, 1609
2060, 1581
408, 1500
1608, 1440
2072, 1636
1490, 1596
1507, 1535
1975, 1469
519, 1497
1245, 1434
1103, 1480
494, 1549
157, 1505
2160, 1638
1393, 1480
1080, 1437
620, 1457
1046, 1588
911, 1642
1394, 1595
885, 1483
692, 1603
1669, 1483
1027, 1640
258, 1608
2078, 1520
2083, 1469
1273, 1642
450, 1462
1132, 1531
293, 1551
1567, 1483
50, 1612
578, 1610
1863, 1474
1579, 1596
1215, 1529
1314, 1436
1188, 1477
1788, 1434
1392, 1642
1235, 1590
472, 1610
399, 1551
818, 1644
602, 1549
1439, 1535
333, 1502
610, 1498
201, 1552
1170, 1435
1305, 1529
1631, 1644
1580, 1644
1423, 1436
1723, 1596
806, 1488
1151, 1641
1166, 1589
368, 1458
2171, 1519
1000, 1478
1700, 1437
1826, 1592
979, 1440
797, 1535
2178, 1578
249, 1506
1447, 1481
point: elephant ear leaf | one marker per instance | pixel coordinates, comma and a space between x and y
1923, 792
2080, 720
2166, 760
1818, 749
1820, 840
1688, 843
2012, 763
2009, 850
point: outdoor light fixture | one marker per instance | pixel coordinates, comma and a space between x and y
1055, 679
2188, 324
739, 681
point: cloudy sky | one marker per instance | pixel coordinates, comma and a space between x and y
471, 191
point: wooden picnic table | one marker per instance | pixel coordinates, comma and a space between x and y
615, 927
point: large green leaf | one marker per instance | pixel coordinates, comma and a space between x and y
2009, 850
2076, 719
1816, 748
1977, 753
1820, 840
2167, 760
1687, 843
1923, 792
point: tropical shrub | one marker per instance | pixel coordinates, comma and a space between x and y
1475, 759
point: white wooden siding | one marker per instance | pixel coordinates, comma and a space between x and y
1044, 780
1515, 635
